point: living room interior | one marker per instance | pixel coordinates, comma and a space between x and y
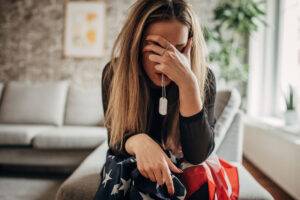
52, 135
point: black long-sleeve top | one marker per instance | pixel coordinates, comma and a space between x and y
196, 131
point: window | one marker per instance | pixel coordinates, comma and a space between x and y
274, 59
289, 50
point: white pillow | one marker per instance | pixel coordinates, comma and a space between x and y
34, 103
84, 107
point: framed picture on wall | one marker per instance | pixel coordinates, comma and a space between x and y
84, 29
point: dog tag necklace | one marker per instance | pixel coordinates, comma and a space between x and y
163, 102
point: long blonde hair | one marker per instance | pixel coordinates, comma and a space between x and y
126, 110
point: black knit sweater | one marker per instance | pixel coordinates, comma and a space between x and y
196, 131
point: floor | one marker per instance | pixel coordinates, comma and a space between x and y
43, 186
29, 186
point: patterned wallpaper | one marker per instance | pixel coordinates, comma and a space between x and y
31, 40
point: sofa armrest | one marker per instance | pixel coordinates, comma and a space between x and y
83, 183
231, 147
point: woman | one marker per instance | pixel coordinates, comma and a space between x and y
161, 37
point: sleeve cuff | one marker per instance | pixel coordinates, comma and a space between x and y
195, 117
122, 151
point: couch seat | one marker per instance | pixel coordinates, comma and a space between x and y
83, 183
20, 134
70, 137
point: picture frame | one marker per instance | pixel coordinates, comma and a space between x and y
84, 29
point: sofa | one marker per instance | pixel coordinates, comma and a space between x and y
50, 126
58, 127
82, 184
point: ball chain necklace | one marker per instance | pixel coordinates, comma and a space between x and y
163, 101
163, 105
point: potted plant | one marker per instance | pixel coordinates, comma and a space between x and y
290, 114
234, 21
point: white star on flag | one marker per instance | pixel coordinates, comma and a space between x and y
120, 163
125, 185
110, 156
107, 177
115, 189
145, 196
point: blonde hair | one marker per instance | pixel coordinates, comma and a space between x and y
129, 93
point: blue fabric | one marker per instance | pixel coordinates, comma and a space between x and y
120, 179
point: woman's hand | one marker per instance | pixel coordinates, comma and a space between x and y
152, 161
174, 64
177, 66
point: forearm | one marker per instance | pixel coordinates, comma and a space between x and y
196, 122
197, 137
189, 98
133, 142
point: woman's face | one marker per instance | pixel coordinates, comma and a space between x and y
172, 30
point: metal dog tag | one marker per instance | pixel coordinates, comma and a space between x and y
163, 105
163, 102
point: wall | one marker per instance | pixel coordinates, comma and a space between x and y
31, 36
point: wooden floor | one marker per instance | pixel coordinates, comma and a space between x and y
273, 188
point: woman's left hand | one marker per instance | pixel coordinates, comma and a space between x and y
174, 64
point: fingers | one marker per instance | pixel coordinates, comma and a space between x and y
173, 167
161, 41
159, 176
146, 172
155, 48
151, 175
142, 171
156, 58
168, 180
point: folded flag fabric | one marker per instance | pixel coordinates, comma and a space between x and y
221, 176
120, 179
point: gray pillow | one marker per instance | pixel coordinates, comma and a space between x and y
227, 105
34, 103
84, 107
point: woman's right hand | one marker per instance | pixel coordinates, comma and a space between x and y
152, 161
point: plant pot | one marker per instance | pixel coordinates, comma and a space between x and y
291, 117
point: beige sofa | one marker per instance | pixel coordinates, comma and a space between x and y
59, 127
49, 125
83, 183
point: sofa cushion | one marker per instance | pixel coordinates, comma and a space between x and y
227, 104
84, 107
249, 187
70, 137
20, 134
231, 147
83, 183
34, 103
